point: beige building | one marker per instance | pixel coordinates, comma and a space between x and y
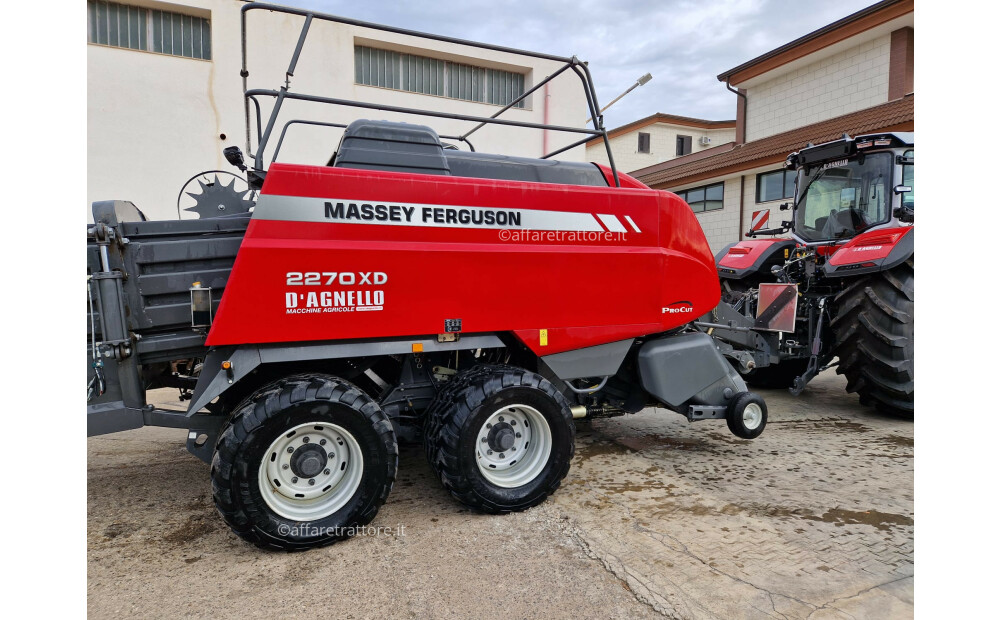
854, 75
658, 138
165, 94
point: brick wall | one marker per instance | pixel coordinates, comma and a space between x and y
851, 80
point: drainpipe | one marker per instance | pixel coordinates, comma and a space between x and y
739, 233
743, 128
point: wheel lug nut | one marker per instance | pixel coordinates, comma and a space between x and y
489, 426
483, 440
326, 472
305, 440
330, 455
290, 450
312, 481
513, 422
295, 479
285, 466
517, 435
489, 452
501, 418
501, 455
322, 442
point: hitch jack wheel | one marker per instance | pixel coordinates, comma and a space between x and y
747, 415
304, 463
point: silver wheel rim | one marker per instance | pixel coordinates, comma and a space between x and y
527, 454
752, 416
291, 495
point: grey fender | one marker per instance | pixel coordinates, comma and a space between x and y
214, 380
599, 361
687, 369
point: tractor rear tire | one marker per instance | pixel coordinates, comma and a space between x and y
873, 337
304, 463
501, 439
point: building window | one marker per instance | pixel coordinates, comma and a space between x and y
149, 30
704, 198
643, 142
430, 76
775, 185
683, 145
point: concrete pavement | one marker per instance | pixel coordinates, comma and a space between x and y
814, 519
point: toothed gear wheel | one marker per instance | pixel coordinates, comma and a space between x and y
217, 199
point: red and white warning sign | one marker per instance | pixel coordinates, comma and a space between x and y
759, 220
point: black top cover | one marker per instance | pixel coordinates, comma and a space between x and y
404, 147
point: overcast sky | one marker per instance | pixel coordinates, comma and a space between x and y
684, 44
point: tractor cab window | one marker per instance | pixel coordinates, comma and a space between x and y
840, 199
908, 181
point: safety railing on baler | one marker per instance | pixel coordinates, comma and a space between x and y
264, 132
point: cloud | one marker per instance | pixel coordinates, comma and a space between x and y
683, 43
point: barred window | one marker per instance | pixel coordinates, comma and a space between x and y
430, 76
138, 28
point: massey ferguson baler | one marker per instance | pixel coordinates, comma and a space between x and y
477, 303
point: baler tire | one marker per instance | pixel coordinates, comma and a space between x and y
443, 399
333, 406
455, 424
873, 337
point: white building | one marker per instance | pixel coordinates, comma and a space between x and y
165, 93
853, 76
659, 137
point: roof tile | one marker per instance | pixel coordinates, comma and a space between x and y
775, 148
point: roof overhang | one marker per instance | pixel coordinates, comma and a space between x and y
892, 116
665, 119
870, 23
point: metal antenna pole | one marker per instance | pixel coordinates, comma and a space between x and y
637, 84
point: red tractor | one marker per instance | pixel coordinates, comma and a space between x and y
403, 290
840, 291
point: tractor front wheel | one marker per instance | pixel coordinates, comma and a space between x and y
873, 332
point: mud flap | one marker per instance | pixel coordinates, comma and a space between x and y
687, 373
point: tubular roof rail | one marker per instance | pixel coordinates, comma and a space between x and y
571, 63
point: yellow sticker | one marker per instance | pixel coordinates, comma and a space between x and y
543, 337
786, 252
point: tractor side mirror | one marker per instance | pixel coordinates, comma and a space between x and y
902, 189
234, 156
785, 206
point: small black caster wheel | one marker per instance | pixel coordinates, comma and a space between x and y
747, 415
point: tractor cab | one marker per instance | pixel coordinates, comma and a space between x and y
850, 186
